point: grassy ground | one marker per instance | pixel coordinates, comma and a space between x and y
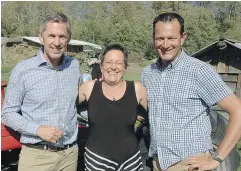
5, 72
133, 72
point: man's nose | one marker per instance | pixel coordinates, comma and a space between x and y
56, 41
165, 43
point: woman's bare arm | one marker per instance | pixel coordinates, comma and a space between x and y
141, 94
85, 90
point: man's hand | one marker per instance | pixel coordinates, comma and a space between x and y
202, 163
49, 133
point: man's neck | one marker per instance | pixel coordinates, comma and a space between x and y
55, 63
165, 64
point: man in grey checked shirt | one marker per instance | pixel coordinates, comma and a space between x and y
180, 91
40, 101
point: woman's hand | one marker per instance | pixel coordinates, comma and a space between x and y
140, 118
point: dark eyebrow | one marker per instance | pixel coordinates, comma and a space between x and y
51, 34
158, 37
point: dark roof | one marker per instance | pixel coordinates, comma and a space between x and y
5, 40
20, 39
220, 43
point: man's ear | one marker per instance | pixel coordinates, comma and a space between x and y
69, 38
41, 38
183, 37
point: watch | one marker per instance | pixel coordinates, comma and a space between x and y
215, 155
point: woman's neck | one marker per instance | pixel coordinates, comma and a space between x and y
113, 85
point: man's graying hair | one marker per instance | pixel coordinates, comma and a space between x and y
169, 17
115, 47
55, 18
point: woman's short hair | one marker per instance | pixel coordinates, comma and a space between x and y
115, 47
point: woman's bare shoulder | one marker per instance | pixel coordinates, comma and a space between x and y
88, 85
139, 86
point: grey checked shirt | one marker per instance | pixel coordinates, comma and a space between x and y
37, 94
179, 98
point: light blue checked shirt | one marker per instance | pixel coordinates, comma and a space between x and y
86, 77
37, 94
179, 98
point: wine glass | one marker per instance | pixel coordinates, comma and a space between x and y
62, 126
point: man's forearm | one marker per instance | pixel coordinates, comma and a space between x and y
19, 123
232, 135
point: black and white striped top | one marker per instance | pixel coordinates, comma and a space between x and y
111, 131
96, 162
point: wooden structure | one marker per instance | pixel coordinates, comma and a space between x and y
225, 57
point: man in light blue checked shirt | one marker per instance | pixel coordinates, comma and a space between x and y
180, 91
40, 101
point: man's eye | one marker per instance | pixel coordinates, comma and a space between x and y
63, 37
159, 39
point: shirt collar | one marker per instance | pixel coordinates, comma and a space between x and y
174, 63
41, 61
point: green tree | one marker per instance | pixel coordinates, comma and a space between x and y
228, 14
200, 26
23, 17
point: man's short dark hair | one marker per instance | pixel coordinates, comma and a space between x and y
169, 17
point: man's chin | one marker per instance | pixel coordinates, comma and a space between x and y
56, 56
166, 57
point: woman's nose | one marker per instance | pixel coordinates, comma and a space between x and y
113, 65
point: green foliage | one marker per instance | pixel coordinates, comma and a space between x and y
150, 52
234, 33
228, 13
23, 18
165, 6
200, 28
128, 23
